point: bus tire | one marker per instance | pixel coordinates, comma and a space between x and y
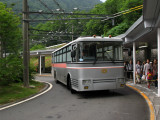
55, 77
69, 85
57, 82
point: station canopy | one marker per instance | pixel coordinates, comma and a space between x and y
144, 31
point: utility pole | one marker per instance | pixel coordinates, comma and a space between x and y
25, 45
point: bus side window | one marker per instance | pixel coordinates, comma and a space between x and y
53, 58
68, 53
57, 56
69, 56
64, 54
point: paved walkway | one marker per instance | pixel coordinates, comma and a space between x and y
151, 94
44, 74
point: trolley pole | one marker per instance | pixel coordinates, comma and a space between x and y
25, 45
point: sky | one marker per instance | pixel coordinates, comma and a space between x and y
103, 0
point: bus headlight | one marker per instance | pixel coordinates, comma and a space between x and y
86, 82
121, 80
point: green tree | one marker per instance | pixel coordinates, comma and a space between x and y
122, 23
10, 37
38, 47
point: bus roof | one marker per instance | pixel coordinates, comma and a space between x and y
102, 39
98, 39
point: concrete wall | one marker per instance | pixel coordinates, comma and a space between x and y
140, 55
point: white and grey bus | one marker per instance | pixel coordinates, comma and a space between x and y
89, 64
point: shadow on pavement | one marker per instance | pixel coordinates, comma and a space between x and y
99, 94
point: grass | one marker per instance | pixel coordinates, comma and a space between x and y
16, 92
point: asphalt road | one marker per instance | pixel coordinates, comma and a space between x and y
60, 104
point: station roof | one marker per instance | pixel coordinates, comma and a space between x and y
144, 30
41, 52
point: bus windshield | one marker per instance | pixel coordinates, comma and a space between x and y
100, 51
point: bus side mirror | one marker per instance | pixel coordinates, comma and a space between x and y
73, 53
129, 52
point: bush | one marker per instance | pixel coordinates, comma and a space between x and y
34, 64
11, 70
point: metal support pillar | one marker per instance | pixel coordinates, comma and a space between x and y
134, 62
40, 65
158, 46
25, 45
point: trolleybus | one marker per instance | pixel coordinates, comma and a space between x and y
89, 64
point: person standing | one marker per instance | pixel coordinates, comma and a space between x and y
125, 66
138, 72
155, 71
130, 69
125, 69
147, 66
142, 68
149, 77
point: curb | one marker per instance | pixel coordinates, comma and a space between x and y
151, 107
45, 75
47, 88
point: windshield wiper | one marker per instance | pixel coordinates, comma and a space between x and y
110, 57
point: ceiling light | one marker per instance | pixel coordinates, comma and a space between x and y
143, 46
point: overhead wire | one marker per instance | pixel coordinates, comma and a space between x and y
45, 5
58, 5
62, 10
104, 18
124, 12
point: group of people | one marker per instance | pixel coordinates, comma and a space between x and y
146, 71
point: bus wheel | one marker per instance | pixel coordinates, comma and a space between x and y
55, 78
57, 82
68, 83
69, 86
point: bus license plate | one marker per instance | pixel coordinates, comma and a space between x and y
122, 85
85, 87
